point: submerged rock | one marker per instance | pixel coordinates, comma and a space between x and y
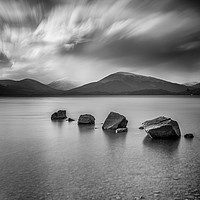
86, 119
70, 119
162, 127
61, 114
189, 135
121, 130
114, 121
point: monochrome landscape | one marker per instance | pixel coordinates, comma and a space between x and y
99, 99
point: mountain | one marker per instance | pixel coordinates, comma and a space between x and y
191, 84
196, 85
128, 83
63, 84
26, 87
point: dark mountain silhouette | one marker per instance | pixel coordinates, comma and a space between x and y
26, 87
128, 83
120, 83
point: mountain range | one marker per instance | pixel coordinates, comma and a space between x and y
120, 83
26, 87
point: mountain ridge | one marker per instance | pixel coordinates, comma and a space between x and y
127, 83
26, 87
119, 83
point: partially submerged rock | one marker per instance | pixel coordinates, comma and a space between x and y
121, 130
162, 127
189, 135
86, 119
114, 121
70, 119
61, 114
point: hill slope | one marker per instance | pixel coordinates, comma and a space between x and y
128, 83
26, 87
197, 85
63, 84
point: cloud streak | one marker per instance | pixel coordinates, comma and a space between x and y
125, 34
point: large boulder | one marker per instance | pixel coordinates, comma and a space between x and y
86, 119
61, 114
114, 121
162, 127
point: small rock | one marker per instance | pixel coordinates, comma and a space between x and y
86, 119
189, 135
70, 119
121, 130
61, 114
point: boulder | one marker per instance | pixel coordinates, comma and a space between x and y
61, 114
162, 127
121, 130
114, 121
86, 119
189, 135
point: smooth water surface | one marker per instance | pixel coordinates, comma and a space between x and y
41, 159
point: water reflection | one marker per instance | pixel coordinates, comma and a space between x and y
115, 139
86, 128
166, 146
58, 123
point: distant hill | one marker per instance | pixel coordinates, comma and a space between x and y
26, 87
63, 84
197, 85
191, 83
128, 83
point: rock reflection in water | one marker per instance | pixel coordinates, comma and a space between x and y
86, 128
166, 146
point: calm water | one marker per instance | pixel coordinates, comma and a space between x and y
40, 159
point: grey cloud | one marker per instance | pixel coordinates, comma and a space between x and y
4, 61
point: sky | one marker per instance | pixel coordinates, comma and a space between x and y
85, 40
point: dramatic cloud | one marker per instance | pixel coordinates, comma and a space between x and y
84, 40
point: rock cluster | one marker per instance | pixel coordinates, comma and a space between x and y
160, 127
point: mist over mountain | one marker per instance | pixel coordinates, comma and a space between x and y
191, 83
63, 84
196, 85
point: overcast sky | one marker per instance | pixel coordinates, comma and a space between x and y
86, 40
